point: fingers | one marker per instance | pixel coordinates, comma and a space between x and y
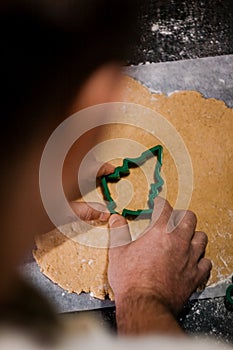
204, 268
162, 212
90, 211
185, 222
119, 231
164, 216
105, 169
198, 244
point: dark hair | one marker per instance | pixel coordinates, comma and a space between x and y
48, 49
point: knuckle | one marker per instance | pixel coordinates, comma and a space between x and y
189, 219
191, 216
163, 226
185, 225
160, 227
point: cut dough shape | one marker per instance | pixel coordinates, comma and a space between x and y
206, 126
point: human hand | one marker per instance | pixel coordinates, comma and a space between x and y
93, 211
78, 180
90, 211
167, 266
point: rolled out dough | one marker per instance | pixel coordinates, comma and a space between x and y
206, 126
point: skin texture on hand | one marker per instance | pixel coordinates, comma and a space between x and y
90, 211
164, 265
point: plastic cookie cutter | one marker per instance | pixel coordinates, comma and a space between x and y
124, 170
229, 293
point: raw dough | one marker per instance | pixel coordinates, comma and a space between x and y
206, 126
75, 267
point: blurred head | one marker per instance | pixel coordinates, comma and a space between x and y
56, 57
49, 50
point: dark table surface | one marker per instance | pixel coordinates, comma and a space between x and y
182, 29
177, 30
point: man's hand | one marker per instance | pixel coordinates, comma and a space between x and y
91, 169
165, 265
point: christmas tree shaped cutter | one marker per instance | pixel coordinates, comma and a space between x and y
120, 171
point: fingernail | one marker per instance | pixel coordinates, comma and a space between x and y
113, 219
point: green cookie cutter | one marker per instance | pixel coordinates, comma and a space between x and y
229, 293
124, 170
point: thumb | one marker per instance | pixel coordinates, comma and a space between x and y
119, 231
